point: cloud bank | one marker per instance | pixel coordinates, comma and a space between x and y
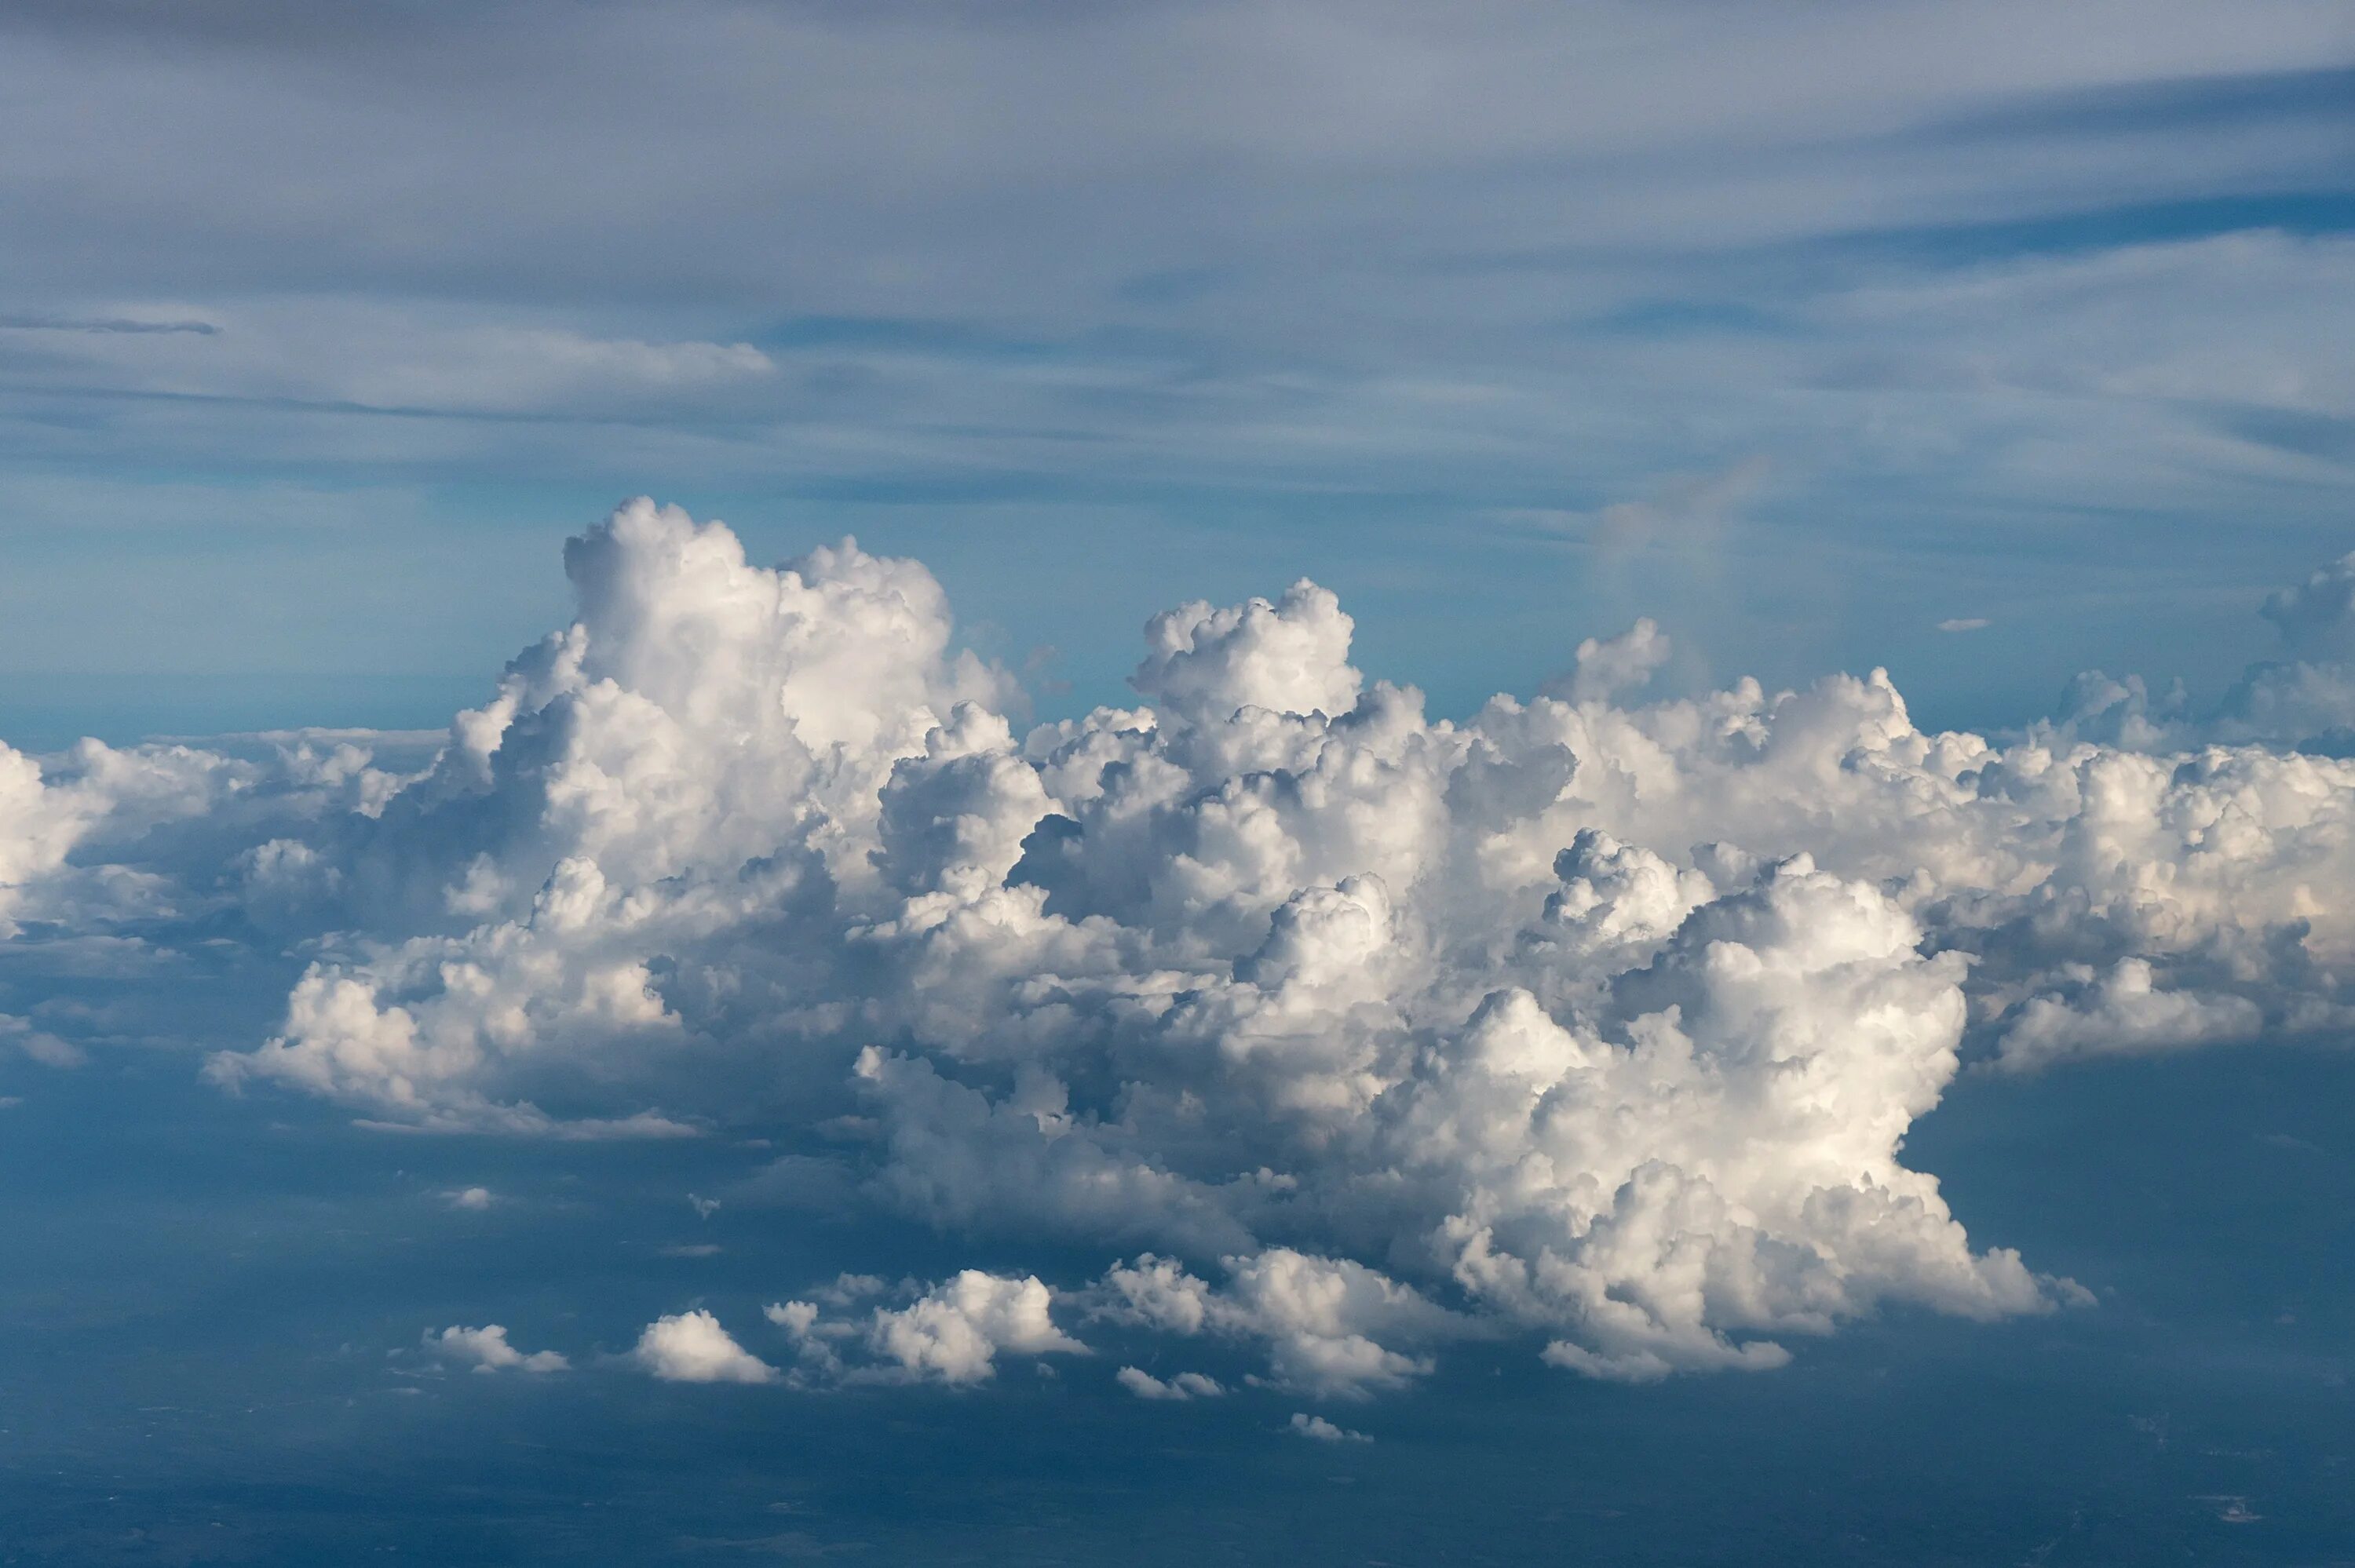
1336, 1031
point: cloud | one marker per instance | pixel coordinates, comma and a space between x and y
39, 1044
951, 1332
355, 356
955, 1332
475, 1198
1589, 274
1179, 1389
1347, 1036
105, 324
487, 1349
1319, 1430
691, 1347
1966, 623
1322, 1320
1608, 667
2317, 617
2123, 1012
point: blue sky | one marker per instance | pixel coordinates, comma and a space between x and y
1866, 319
549, 1028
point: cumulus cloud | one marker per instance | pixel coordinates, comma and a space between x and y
2122, 1012
956, 1332
1323, 1321
1319, 1430
2303, 701
2317, 617
475, 1198
691, 1347
1330, 1031
1609, 666
487, 1351
951, 1333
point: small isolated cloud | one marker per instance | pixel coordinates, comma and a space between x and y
691, 1347
487, 1351
1966, 623
1184, 1386
39, 1044
704, 1207
475, 1198
10, 1102
796, 1317
951, 1332
1323, 1431
691, 1249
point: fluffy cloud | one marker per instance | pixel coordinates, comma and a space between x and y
2119, 1012
487, 1349
955, 1332
1322, 1320
951, 1333
1319, 1430
1589, 1022
2304, 701
691, 1347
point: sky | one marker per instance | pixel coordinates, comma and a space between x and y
1802, 330
1176, 782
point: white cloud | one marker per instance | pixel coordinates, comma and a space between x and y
487, 1349
2121, 1013
1317, 1430
951, 1332
39, 1044
1288, 657
1595, 1023
1611, 666
1182, 1387
956, 1332
691, 1347
1322, 1320
475, 1198
1966, 623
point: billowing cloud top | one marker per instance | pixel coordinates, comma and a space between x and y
1335, 1030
